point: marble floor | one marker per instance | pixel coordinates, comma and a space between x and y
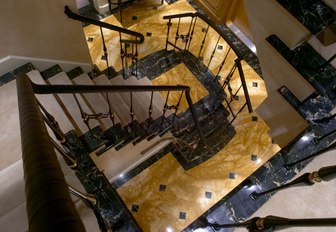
181, 75
165, 197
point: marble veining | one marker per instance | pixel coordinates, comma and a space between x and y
7, 77
308, 63
313, 14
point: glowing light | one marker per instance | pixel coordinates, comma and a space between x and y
258, 161
305, 138
169, 229
121, 175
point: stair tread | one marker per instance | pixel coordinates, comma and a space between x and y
143, 99
140, 111
115, 163
119, 106
70, 104
96, 100
50, 103
158, 99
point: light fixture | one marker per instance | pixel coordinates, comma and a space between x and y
305, 138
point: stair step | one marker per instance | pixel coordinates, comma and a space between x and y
69, 105
139, 108
96, 101
144, 98
158, 99
116, 163
50, 103
92, 139
320, 14
73, 73
52, 71
119, 106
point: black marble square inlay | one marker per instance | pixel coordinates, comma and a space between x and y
155, 7
255, 84
208, 195
135, 208
183, 215
204, 30
134, 18
254, 157
103, 57
89, 39
149, 34
236, 97
162, 187
220, 47
232, 175
254, 118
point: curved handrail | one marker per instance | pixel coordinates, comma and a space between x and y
210, 23
174, 16
140, 38
46, 191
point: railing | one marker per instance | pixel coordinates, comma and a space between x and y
46, 190
191, 21
128, 47
49, 206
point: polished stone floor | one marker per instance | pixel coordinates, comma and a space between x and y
165, 197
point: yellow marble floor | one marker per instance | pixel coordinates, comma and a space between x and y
159, 211
185, 192
181, 75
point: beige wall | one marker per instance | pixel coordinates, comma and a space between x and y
40, 29
238, 17
218, 10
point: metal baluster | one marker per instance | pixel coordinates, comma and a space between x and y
222, 64
228, 106
122, 55
131, 107
203, 41
168, 30
188, 34
52, 123
150, 109
120, 10
228, 78
315, 154
136, 59
242, 78
165, 107
126, 55
84, 115
192, 32
105, 53
306, 179
177, 36
70, 158
177, 106
132, 59
109, 5
213, 53
110, 112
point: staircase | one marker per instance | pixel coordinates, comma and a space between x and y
115, 135
123, 140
